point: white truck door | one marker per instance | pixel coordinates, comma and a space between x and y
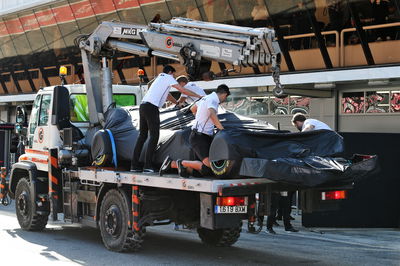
39, 133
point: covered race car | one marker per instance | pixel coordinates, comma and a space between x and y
246, 148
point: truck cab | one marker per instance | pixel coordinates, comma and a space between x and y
43, 135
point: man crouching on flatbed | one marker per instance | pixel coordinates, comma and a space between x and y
202, 133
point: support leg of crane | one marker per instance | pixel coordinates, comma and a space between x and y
54, 183
135, 209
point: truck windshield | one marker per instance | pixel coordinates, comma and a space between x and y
79, 105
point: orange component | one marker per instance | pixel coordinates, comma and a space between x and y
140, 72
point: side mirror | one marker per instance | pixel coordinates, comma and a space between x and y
21, 116
60, 115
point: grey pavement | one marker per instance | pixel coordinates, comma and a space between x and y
62, 244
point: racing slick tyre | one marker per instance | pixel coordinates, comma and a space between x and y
24, 208
225, 168
114, 228
220, 237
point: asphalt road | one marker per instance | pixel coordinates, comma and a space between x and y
66, 244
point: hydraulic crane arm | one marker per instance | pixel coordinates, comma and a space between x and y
195, 44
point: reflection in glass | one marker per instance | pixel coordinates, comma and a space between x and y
377, 102
66, 22
353, 102
395, 101
155, 12
250, 13
216, 11
184, 8
299, 104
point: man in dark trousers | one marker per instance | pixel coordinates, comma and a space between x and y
150, 116
282, 200
206, 112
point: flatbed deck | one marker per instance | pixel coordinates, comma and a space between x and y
170, 181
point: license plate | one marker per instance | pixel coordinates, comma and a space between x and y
230, 209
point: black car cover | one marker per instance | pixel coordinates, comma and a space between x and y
304, 159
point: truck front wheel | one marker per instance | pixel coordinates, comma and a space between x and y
219, 237
114, 217
24, 208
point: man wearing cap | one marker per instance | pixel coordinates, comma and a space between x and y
202, 134
150, 116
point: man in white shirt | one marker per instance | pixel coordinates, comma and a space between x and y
185, 99
202, 134
150, 116
301, 122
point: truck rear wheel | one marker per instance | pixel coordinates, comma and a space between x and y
24, 208
220, 237
114, 217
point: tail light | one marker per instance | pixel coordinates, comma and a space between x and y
232, 201
334, 195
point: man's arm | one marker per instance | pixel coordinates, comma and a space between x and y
185, 91
182, 99
308, 128
214, 118
171, 98
194, 109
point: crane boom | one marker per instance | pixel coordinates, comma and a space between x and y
195, 44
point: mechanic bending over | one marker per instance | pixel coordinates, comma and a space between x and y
202, 134
150, 116
185, 100
301, 122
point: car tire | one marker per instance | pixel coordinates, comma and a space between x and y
225, 168
24, 208
220, 237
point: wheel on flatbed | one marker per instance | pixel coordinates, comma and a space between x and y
24, 208
220, 237
225, 168
114, 217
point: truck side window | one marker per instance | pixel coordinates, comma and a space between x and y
79, 105
44, 110
34, 115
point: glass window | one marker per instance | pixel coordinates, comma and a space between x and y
130, 11
44, 110
79, 110
395, 101
50, 30
299, 104
279, 106
84, 15
34, 115
155, 12
33, 33
184, 8
66, 23
377, 102
250, 13
216, 11
105, 10
353, 102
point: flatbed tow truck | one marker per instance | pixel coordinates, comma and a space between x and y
55, 174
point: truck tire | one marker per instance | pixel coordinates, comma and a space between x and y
225, 168
24, 207
114, 228
220, 237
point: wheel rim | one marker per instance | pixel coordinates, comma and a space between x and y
112, 221
23, 204
219, 164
